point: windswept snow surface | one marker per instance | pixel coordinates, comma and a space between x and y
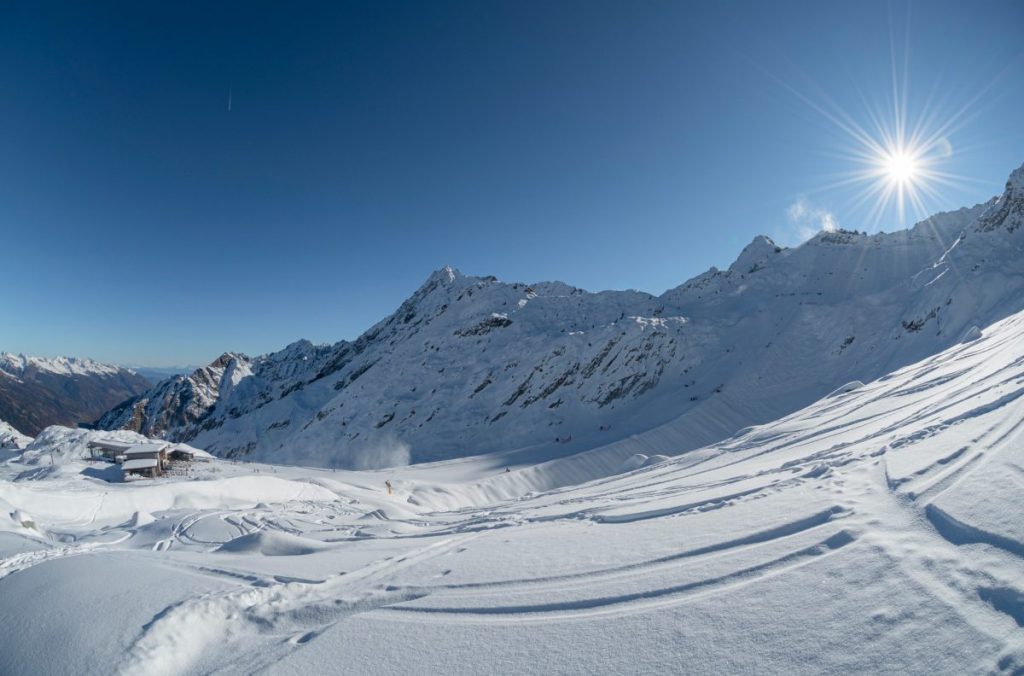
878, 530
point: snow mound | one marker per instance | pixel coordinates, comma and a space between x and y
633, 462
60, 445
12, 438
851, 386
23, 519
272, 543
971, 334
140, 519
52, 503
640, 460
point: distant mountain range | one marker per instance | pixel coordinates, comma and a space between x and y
36, 392
469, 365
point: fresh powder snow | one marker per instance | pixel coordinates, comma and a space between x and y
877, 528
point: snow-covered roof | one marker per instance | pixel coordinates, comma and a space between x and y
139, 463
110, 444
197, 452
145, 449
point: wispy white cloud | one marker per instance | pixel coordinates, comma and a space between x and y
806, 219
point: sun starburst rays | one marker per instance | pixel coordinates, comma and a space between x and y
895, 148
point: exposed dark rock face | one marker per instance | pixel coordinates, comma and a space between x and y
35, 393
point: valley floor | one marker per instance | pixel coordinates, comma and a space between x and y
878, 530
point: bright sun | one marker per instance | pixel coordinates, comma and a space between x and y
900, 167
896, 152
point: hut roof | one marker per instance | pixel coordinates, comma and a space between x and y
139, 463
110, 444
145, 449
191, 450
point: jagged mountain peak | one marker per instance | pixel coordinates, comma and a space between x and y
1016, 179
442, 277
300, 349
837, 236
227, 359
1007, 212
447, 273
755, 254
440, 283
449, 284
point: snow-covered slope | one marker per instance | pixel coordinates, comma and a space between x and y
472, 365
12, 438
36, 392
878, 530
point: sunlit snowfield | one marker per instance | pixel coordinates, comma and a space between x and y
880, 529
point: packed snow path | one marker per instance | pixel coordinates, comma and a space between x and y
880, 529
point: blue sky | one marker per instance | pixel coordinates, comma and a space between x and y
177, 180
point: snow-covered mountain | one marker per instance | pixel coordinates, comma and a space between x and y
36, 392
878, 530
472, 365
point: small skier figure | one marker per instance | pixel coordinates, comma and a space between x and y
387, 483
